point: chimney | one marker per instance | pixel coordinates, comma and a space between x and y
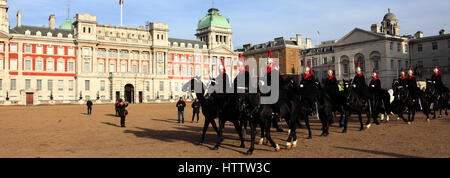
279, 39
299, 39
51, 21
308, 43
442, 32
375, 28
418, 35
19, 18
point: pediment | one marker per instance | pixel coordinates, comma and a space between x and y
358, 36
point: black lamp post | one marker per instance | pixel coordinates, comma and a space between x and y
7, 96
81, 95
98, 95
51, 95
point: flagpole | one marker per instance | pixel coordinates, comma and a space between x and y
121, 13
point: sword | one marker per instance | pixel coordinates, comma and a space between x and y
370, 108
420, 103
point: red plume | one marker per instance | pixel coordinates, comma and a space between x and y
223, 64
357, 64
243, 63
410, 68
270, 53
375, 70
403, 70
329, 67
438, 71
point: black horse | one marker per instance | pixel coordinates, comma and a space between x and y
337, 99
438, 98
354, 103
380, 103
208, 105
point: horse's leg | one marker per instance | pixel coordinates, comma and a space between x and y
238, 128
253, 135
347, 115
308, 127
205, 128
434, 109
341, 111
291, 126
269, 138
360, 121
221, 127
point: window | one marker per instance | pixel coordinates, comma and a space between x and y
123, 67
61, 51
60, 85
392, 64
112, 53
448, 43
28, 49
39, 50
27, 84
50, 85
1, 84
145, 69
325, 60
435, 45
197, 71
419, 47
38, 85
60, 66
50, 50
87, 67
28, 65
191, 58
102, 85
2, 46
13, 63
160, 69
101, 67
392, 46
206, 60
86, 85
50, 66
71, 66
112, 67
13, 84
13, 48
70, 85
147, 86
134, 68
1, 64
161, 85
71, 52
399, 47
160, 56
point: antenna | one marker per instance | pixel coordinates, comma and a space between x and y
68, 9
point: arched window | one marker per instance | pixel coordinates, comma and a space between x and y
345, 69
375, 59
360, 58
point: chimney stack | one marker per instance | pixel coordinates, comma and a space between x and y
375, 28
442, 32
299, 39
19, 18
418, 35
51, 21
308, 43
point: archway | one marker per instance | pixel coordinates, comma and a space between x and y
129, 93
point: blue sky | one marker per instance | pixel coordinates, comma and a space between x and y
253, 21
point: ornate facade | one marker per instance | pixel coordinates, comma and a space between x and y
87, 60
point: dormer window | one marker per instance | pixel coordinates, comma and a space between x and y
28, 32
70, 36
175, 44
205, 46
60, 35
182, 45
38, 33
196, 46
189, 45
49, 34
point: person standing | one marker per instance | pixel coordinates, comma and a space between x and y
195, 109
89, 107
122, 112
181, 105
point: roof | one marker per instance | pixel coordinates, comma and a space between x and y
193, 42
430, 38
390, 16
269, 44
67, 25
44, 30
213, 18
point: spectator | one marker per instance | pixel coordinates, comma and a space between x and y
181, 105
123, 112
89, 107
195, 109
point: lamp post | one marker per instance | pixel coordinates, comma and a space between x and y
81, 95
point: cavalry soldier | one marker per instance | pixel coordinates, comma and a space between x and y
273, 67
375, 84
436, 78
311, 94
331, 84
360, 81
243, 74
411, 84
403, 78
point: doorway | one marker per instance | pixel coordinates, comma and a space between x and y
30, 98
129, 93
141, 97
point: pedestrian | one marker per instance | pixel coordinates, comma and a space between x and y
181, 105
117, 108
89, 107
123, 112
195, 109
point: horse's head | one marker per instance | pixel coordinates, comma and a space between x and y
194, 85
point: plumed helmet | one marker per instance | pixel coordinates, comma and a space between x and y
410, 71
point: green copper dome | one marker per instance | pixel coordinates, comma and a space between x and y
67, 25
213, 18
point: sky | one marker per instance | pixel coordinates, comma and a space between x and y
252, 21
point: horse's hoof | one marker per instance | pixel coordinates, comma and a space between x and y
266, 142
200, 143
249, 153
294, 145
242, 145
344, 131
288, 147
409, 123
309, 138
428, 121
261, 141
277, 148
368, 126
215, 148
377, 123
361, 129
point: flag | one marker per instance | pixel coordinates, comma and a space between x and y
120, 2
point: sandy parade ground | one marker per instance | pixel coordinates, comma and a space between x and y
153, 132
